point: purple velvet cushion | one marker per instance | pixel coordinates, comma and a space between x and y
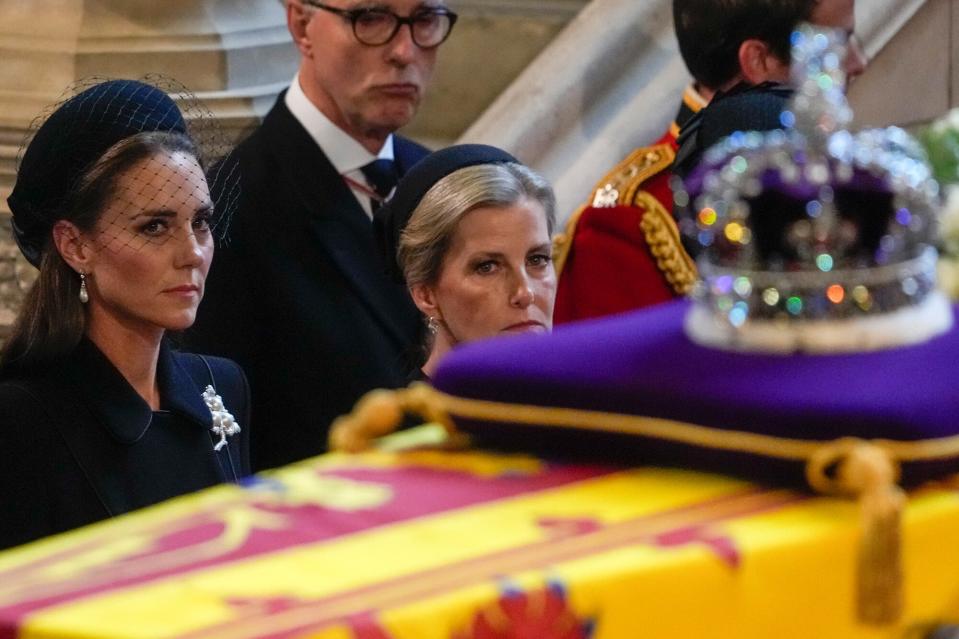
642, 364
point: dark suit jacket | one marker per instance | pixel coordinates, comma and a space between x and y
80, 445
298, 295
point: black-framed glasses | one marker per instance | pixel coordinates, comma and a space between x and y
375, 26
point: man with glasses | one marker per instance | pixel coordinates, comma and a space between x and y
297, 295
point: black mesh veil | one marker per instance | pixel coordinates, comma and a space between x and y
140, 160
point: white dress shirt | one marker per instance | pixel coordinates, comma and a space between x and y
346, 154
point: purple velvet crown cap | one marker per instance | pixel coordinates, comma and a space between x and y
797, 184
642, 364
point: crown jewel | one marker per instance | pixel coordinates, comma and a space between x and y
811, 237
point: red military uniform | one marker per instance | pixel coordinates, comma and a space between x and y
622, 251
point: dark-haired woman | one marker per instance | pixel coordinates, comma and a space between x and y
98, 415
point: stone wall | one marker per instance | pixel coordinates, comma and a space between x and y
913, 77
492, 43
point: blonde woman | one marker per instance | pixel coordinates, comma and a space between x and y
469, 232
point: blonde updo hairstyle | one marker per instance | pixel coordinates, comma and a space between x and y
426, 239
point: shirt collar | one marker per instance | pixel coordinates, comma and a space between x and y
346, 154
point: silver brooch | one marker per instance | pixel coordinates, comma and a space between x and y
223, 423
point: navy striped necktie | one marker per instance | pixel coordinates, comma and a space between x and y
382, 176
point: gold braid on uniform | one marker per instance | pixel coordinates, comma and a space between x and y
644, 164
619, 187
662, 236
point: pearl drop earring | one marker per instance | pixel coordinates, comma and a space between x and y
84, 296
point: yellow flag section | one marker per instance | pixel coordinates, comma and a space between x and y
475, 546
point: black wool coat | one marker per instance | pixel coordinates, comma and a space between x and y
80, 445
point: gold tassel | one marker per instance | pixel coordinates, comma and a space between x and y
868, 472
872, 471
380, 412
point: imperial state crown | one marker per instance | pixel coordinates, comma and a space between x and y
813, 238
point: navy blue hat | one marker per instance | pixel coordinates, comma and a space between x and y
74, 137
391, 218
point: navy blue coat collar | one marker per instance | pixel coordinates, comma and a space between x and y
116, 405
